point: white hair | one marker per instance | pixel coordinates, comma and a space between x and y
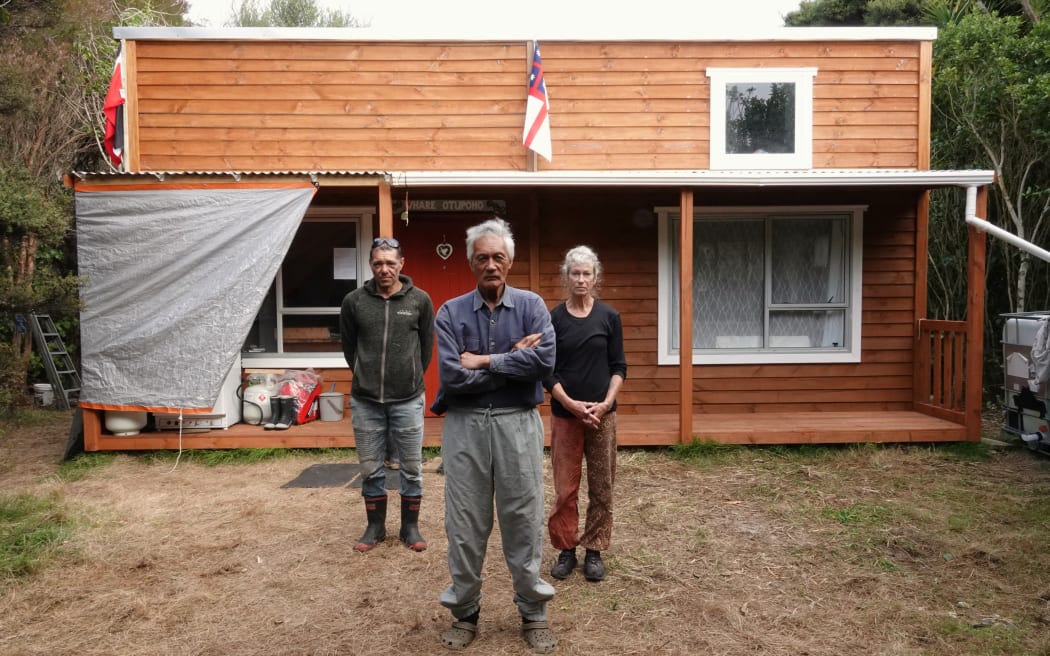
581, 255
496, 227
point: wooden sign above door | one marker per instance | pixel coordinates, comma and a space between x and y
457, 206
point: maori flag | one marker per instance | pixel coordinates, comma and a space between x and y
537, 135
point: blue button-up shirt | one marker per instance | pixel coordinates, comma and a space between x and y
465, 323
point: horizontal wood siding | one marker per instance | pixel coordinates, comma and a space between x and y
321, 106
628, 252
647, 105
331, 106
883, 379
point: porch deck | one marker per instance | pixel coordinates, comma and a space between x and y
632, 430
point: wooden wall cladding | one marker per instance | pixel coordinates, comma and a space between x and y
628, 252
333, 106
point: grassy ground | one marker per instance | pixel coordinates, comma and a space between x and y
891, 549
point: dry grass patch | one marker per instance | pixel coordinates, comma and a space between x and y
821, 551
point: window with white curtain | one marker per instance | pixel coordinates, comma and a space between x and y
769, 285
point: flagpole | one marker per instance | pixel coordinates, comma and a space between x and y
530, 155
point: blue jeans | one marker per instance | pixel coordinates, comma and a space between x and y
402, 425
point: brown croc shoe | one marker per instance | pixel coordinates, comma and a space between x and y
459, 635
538, 637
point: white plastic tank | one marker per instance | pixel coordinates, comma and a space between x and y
1025, 397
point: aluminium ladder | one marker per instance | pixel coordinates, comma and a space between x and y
59, 365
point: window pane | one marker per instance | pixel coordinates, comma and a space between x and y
311, 334
728, 284
308, 269
308, 281
760, 117
809, 261
262, 338
807, 328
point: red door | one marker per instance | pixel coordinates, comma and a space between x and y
434, 246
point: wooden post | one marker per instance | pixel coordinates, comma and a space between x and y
975, 283
925, 102
386, 210
92, 428
685, 318
920, 350
132, 158
531, 159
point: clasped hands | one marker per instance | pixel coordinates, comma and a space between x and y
590, 412
474, 361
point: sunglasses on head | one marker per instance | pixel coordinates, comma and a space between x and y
385, 241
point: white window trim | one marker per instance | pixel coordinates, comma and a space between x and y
326, 359
666, 276
802, 158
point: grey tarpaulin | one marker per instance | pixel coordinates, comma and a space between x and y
173, 278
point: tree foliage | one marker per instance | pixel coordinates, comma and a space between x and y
992, 91
990, 97
843, 13
56, 59
289, 13
826, 13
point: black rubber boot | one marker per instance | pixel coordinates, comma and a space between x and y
275, 413
287, 418
410, 524
375, 509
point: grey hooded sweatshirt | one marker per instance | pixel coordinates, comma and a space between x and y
388, 342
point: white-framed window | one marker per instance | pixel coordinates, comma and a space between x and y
761, 118
770, 284
299, 317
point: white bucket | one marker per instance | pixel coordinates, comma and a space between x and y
332, 406
43, 394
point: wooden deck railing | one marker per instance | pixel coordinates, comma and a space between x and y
940, 382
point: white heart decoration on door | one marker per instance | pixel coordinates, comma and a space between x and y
444, 250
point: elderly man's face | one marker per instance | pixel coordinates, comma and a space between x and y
490, 264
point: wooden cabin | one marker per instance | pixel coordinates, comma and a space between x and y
762, 198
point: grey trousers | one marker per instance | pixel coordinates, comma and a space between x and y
493, 458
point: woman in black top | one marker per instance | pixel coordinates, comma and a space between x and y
589, 369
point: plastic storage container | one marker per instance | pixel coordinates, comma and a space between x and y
1026, 400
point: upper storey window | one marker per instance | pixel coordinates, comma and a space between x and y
761, 118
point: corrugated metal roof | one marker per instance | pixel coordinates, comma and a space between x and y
677, 178
698, 178
233, 174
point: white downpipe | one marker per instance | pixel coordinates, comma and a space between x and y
996, 231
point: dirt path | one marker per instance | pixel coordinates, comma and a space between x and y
879, 550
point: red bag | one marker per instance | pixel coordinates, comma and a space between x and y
310, 408
305, 387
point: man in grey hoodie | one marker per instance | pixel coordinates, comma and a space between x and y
387, 330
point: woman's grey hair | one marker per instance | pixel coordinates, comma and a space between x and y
496, 227
581, 255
